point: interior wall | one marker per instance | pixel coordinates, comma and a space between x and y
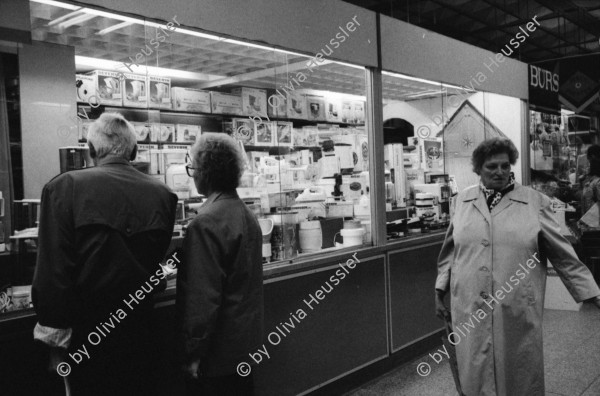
502, 111
47, 102
15, 22
418, 52
305, 26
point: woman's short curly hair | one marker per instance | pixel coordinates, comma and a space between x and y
493, 146
218, 161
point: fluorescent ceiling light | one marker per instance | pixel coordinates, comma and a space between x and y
57, 4
426, 81
102, 64
91, 11
422, 80
113, 28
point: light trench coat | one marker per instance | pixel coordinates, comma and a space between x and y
495, 267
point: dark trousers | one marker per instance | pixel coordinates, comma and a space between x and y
123, 363
229, 385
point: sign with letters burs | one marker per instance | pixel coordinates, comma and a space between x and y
544, 85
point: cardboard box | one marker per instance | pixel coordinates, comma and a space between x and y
254, 101
264, 133
347, 112
187, 133
413, 176
277, 106
151, 154
136, 90
296, 106
359, 112
83, 128
362, 151
557, 296
142, 131
108, 87
160, 92
299, 137
315, 108
224, 103
333, 110
192, 100
283, 135
243, 130
86, 89
394, 158
430, 154
164, 133
254, 160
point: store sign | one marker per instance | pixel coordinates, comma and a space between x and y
543, 88
579, 88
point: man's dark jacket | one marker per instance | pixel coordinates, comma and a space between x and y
102, 233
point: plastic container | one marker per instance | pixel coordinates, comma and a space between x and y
353, 236
424, 199
311, 236
366, 225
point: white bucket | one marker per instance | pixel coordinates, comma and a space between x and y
353, 236
311, 236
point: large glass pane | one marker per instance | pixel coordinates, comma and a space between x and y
299, 120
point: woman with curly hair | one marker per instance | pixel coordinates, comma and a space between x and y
493, 263
219, 281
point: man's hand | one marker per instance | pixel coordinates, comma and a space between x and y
440, 308
191, 369
57, 356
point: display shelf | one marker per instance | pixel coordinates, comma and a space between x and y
300, 122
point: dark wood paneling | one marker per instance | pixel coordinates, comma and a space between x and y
345, 330
412, 284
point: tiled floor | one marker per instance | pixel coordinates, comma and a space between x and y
571, 355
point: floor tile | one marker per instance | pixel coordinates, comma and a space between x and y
571, 362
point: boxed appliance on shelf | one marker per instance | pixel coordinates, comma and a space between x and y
359, 112
164, 133
347, 111
108, 87
159, 89
430, 154
86, 88
189, 99
150, 154
296, 106
224, 103
333, 110
254, 101
264, 133
394, 159
299, 137
362, 151
187, 133
83, 127
283, 135
414, 176
315, 106
170, 155
136, 90
142, 131
243, 130
277, 106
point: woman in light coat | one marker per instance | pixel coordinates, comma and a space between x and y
493, 262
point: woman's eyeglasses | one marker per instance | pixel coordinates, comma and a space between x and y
188, 167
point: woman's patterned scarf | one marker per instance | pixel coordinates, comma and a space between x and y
494, 197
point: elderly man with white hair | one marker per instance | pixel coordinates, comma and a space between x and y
102, 233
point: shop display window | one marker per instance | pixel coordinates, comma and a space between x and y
300, 121
430, 132
558, 145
